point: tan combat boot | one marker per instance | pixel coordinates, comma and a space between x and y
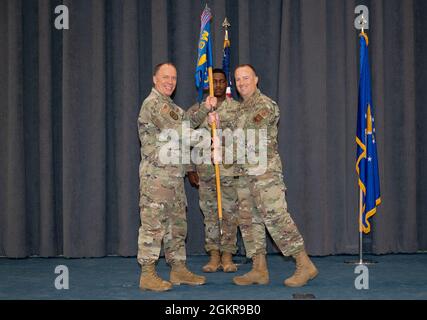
149, 279
305, 271
181, 275
258, 274
214, 262
227, 262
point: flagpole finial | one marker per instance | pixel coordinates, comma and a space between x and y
226, 24
363, 21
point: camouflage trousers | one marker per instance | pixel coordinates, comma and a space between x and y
262, 204
227, 242
163, 218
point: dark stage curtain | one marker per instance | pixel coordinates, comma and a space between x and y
69, 100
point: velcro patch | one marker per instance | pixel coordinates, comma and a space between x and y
258, 118
173, 115
261, 115
165, 109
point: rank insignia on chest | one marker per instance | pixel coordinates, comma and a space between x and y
261, 115
173, 115
258, 118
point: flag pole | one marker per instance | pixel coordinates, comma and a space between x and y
205, 60
361, 201
225, 65
361, 261
361, 214
361, 208
217, 173
214, 136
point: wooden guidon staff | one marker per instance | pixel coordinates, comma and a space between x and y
217, 175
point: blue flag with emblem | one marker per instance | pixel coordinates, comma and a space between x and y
367, 160
204, 58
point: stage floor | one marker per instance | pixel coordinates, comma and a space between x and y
396, 276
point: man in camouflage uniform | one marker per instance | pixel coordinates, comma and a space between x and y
220, 247
261, 187
162, 196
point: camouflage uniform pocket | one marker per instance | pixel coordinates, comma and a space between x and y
271, 191
156, 189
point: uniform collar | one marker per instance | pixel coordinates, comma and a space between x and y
161, 96
222, 104
252, 98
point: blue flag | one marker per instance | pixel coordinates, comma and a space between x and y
226, 63
367, 161
204, 59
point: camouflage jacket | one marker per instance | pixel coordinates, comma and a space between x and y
227, 112
259, 112
159, 112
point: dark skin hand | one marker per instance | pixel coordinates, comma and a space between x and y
193, 177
